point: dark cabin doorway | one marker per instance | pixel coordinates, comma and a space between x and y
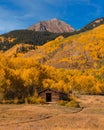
48, 97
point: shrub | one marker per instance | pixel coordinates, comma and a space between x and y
73, 103
7, 101
3, 101
40, 100
16, 101
34, 100
72, 97
62, 102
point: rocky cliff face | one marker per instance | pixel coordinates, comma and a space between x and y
53, 25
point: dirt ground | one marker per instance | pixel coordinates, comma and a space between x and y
53, 117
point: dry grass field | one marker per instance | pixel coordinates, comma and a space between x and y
54, 117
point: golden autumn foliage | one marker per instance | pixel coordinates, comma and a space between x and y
80, 51
78, 67
21, 77
9, 39
18, 50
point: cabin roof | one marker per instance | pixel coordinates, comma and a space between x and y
54, 90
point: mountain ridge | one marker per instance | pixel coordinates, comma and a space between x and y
69, 62
54, 25
37, 38
80, 51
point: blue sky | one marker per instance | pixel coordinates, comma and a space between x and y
21, 14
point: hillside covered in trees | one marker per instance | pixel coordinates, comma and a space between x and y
81, 51
72, 64
20, 78
12, 38
38, 38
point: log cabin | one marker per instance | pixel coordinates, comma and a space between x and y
52, 95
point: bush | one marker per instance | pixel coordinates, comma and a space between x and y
73, 103
16, 101
40, 100
62, 102
7, 101
73, 97
34, 100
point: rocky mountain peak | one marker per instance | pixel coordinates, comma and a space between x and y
53, 25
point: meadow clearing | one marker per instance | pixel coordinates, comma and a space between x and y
54, 117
